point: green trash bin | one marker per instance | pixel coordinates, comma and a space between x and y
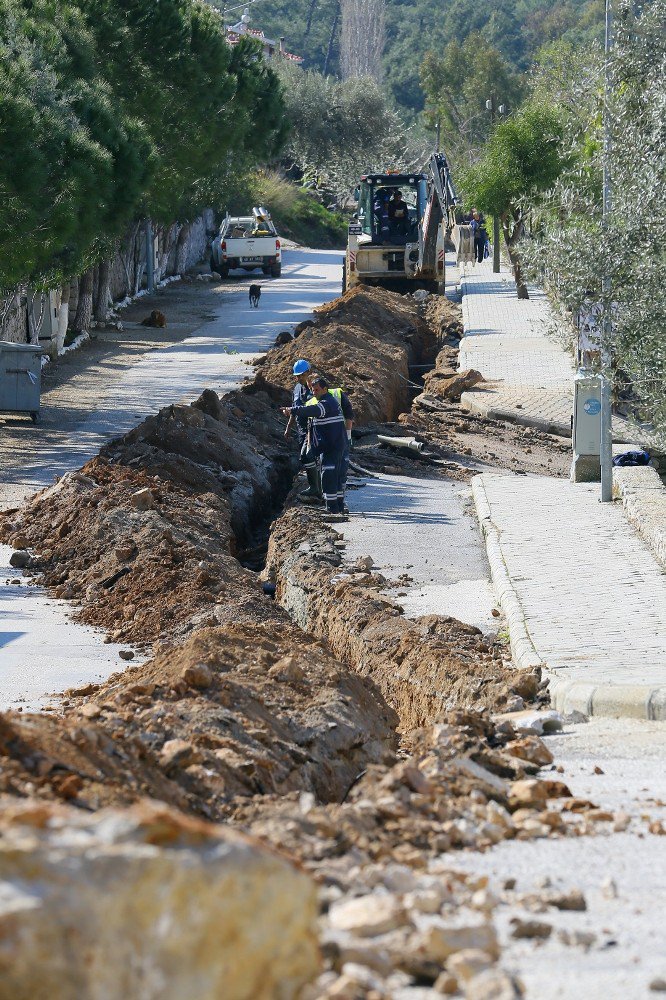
20, 378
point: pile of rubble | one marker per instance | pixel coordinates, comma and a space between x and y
397, 920
235, 710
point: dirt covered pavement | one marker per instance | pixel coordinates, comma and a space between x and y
300, 704
422, 667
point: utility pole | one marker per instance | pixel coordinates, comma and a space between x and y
438, 129
490, 105
606, 449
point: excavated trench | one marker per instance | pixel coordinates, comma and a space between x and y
278, 716
243, 695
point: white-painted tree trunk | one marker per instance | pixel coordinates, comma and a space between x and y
63, 316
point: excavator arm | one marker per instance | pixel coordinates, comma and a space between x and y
439, 208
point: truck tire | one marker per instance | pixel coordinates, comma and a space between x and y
266, 269
213, 266
223, 271
344, 277
276, 270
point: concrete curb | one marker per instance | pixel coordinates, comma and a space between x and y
643, 498
636, 701
474, 401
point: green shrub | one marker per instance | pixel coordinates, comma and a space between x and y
296, 212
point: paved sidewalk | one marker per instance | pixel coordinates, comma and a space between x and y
529, 375
583, 595
426, 529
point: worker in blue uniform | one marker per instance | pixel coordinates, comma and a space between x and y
301, 395
347, 409
328, 439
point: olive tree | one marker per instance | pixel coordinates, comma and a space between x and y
575, 250
339, 130
521, 159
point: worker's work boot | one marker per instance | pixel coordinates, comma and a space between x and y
313, 491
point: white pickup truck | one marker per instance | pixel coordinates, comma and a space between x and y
247, 242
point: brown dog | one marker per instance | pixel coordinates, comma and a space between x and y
156, 318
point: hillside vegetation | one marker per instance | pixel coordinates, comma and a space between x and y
517, 28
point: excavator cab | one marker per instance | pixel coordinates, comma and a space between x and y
377, 221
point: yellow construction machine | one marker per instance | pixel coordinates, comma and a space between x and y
398, 234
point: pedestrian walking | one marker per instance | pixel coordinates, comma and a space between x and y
308, 460
481, 243
328, 439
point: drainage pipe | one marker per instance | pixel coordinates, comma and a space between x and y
399, 442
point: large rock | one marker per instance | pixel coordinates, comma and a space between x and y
451, 387
440, 939
369, 915
145, 903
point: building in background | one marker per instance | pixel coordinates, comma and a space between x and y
271, 48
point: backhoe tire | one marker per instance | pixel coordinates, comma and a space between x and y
276, 270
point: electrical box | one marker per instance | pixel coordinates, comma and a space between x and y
586, 428
587, 414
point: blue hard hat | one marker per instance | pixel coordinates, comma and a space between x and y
301, 367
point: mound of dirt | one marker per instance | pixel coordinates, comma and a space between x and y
143, 538
236, 710
422, 667
364, 342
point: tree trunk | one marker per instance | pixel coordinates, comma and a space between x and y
101, 310
308, 26
127, 255
331, 41
85, 304
512, 234
63, 315
35, 313
521, 287
181, 248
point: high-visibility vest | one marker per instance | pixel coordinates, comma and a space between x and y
336, 393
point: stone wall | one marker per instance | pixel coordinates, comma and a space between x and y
16, 320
